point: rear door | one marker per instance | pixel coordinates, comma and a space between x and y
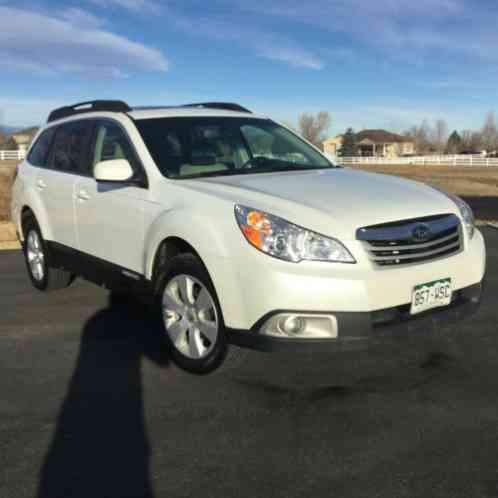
56, 182
110, 216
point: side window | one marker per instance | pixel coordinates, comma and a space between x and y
38, 155
111, 142
71, 147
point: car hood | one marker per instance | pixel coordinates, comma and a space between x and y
335, 201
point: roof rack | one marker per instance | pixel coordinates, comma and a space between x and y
227, 106
90, 106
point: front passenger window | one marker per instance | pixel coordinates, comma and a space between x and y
111, 142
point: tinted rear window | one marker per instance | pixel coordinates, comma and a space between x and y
40, 151
71, 147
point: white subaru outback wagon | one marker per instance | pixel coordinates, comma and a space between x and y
241, 231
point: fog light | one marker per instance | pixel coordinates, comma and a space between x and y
301, 326
292, 324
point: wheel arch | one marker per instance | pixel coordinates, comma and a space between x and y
168, 248
36, 209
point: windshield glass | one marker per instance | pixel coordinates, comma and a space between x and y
199, 147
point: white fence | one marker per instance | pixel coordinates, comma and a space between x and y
12, 155
459, 160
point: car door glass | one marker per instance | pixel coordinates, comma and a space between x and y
111, 143
70, 150
39, 153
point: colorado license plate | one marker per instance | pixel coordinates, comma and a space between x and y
431, 295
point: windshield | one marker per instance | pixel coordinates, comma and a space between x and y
200, 147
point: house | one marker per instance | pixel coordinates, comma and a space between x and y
378, 143
381, 143
332, 145
23, 138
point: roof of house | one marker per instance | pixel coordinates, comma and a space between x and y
380, 136
25, 132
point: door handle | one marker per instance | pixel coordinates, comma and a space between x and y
41, 184
83, 195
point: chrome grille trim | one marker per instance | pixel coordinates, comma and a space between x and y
393, 244
417, 246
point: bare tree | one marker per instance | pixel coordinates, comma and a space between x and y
421, 136
489, 133
471, 140
314, 128
440, 135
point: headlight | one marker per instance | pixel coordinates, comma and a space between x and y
281, 239
467, 215
465, 211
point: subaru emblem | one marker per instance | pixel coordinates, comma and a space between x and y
421, 233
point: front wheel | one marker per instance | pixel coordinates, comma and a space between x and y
191, 315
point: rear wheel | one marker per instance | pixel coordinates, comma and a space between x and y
37, 258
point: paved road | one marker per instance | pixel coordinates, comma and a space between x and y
88, 408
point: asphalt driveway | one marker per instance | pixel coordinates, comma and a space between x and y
90, 408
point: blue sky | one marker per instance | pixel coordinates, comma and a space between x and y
382, 63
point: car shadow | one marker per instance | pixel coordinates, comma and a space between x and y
100, 445
435, 367
485, 208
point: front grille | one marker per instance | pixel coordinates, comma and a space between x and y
412, 241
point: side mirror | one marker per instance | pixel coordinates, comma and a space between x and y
114, 170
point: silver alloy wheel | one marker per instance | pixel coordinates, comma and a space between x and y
35, 255
190, 316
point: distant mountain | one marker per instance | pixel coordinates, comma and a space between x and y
7, 130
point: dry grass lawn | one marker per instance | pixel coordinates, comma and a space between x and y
477, 185
8, 238
462, 181
7, 169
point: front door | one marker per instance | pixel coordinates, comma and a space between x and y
110, 216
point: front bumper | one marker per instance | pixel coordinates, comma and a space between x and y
253, 285
361, 330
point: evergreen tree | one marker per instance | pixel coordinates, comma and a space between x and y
348, 148
454, 145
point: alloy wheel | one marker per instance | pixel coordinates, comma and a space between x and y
35, 255
190, 316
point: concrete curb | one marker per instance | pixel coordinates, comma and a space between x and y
9, 246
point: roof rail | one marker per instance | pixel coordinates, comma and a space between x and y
227, 106
91, 106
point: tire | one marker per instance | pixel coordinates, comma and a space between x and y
191, 317
37, 258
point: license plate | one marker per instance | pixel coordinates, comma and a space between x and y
431, 295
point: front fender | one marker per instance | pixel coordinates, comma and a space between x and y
211, 238
197, 230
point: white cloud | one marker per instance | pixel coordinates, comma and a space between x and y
267, 45
71, 43
400, 27
134, 5
293, 56
81, 18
